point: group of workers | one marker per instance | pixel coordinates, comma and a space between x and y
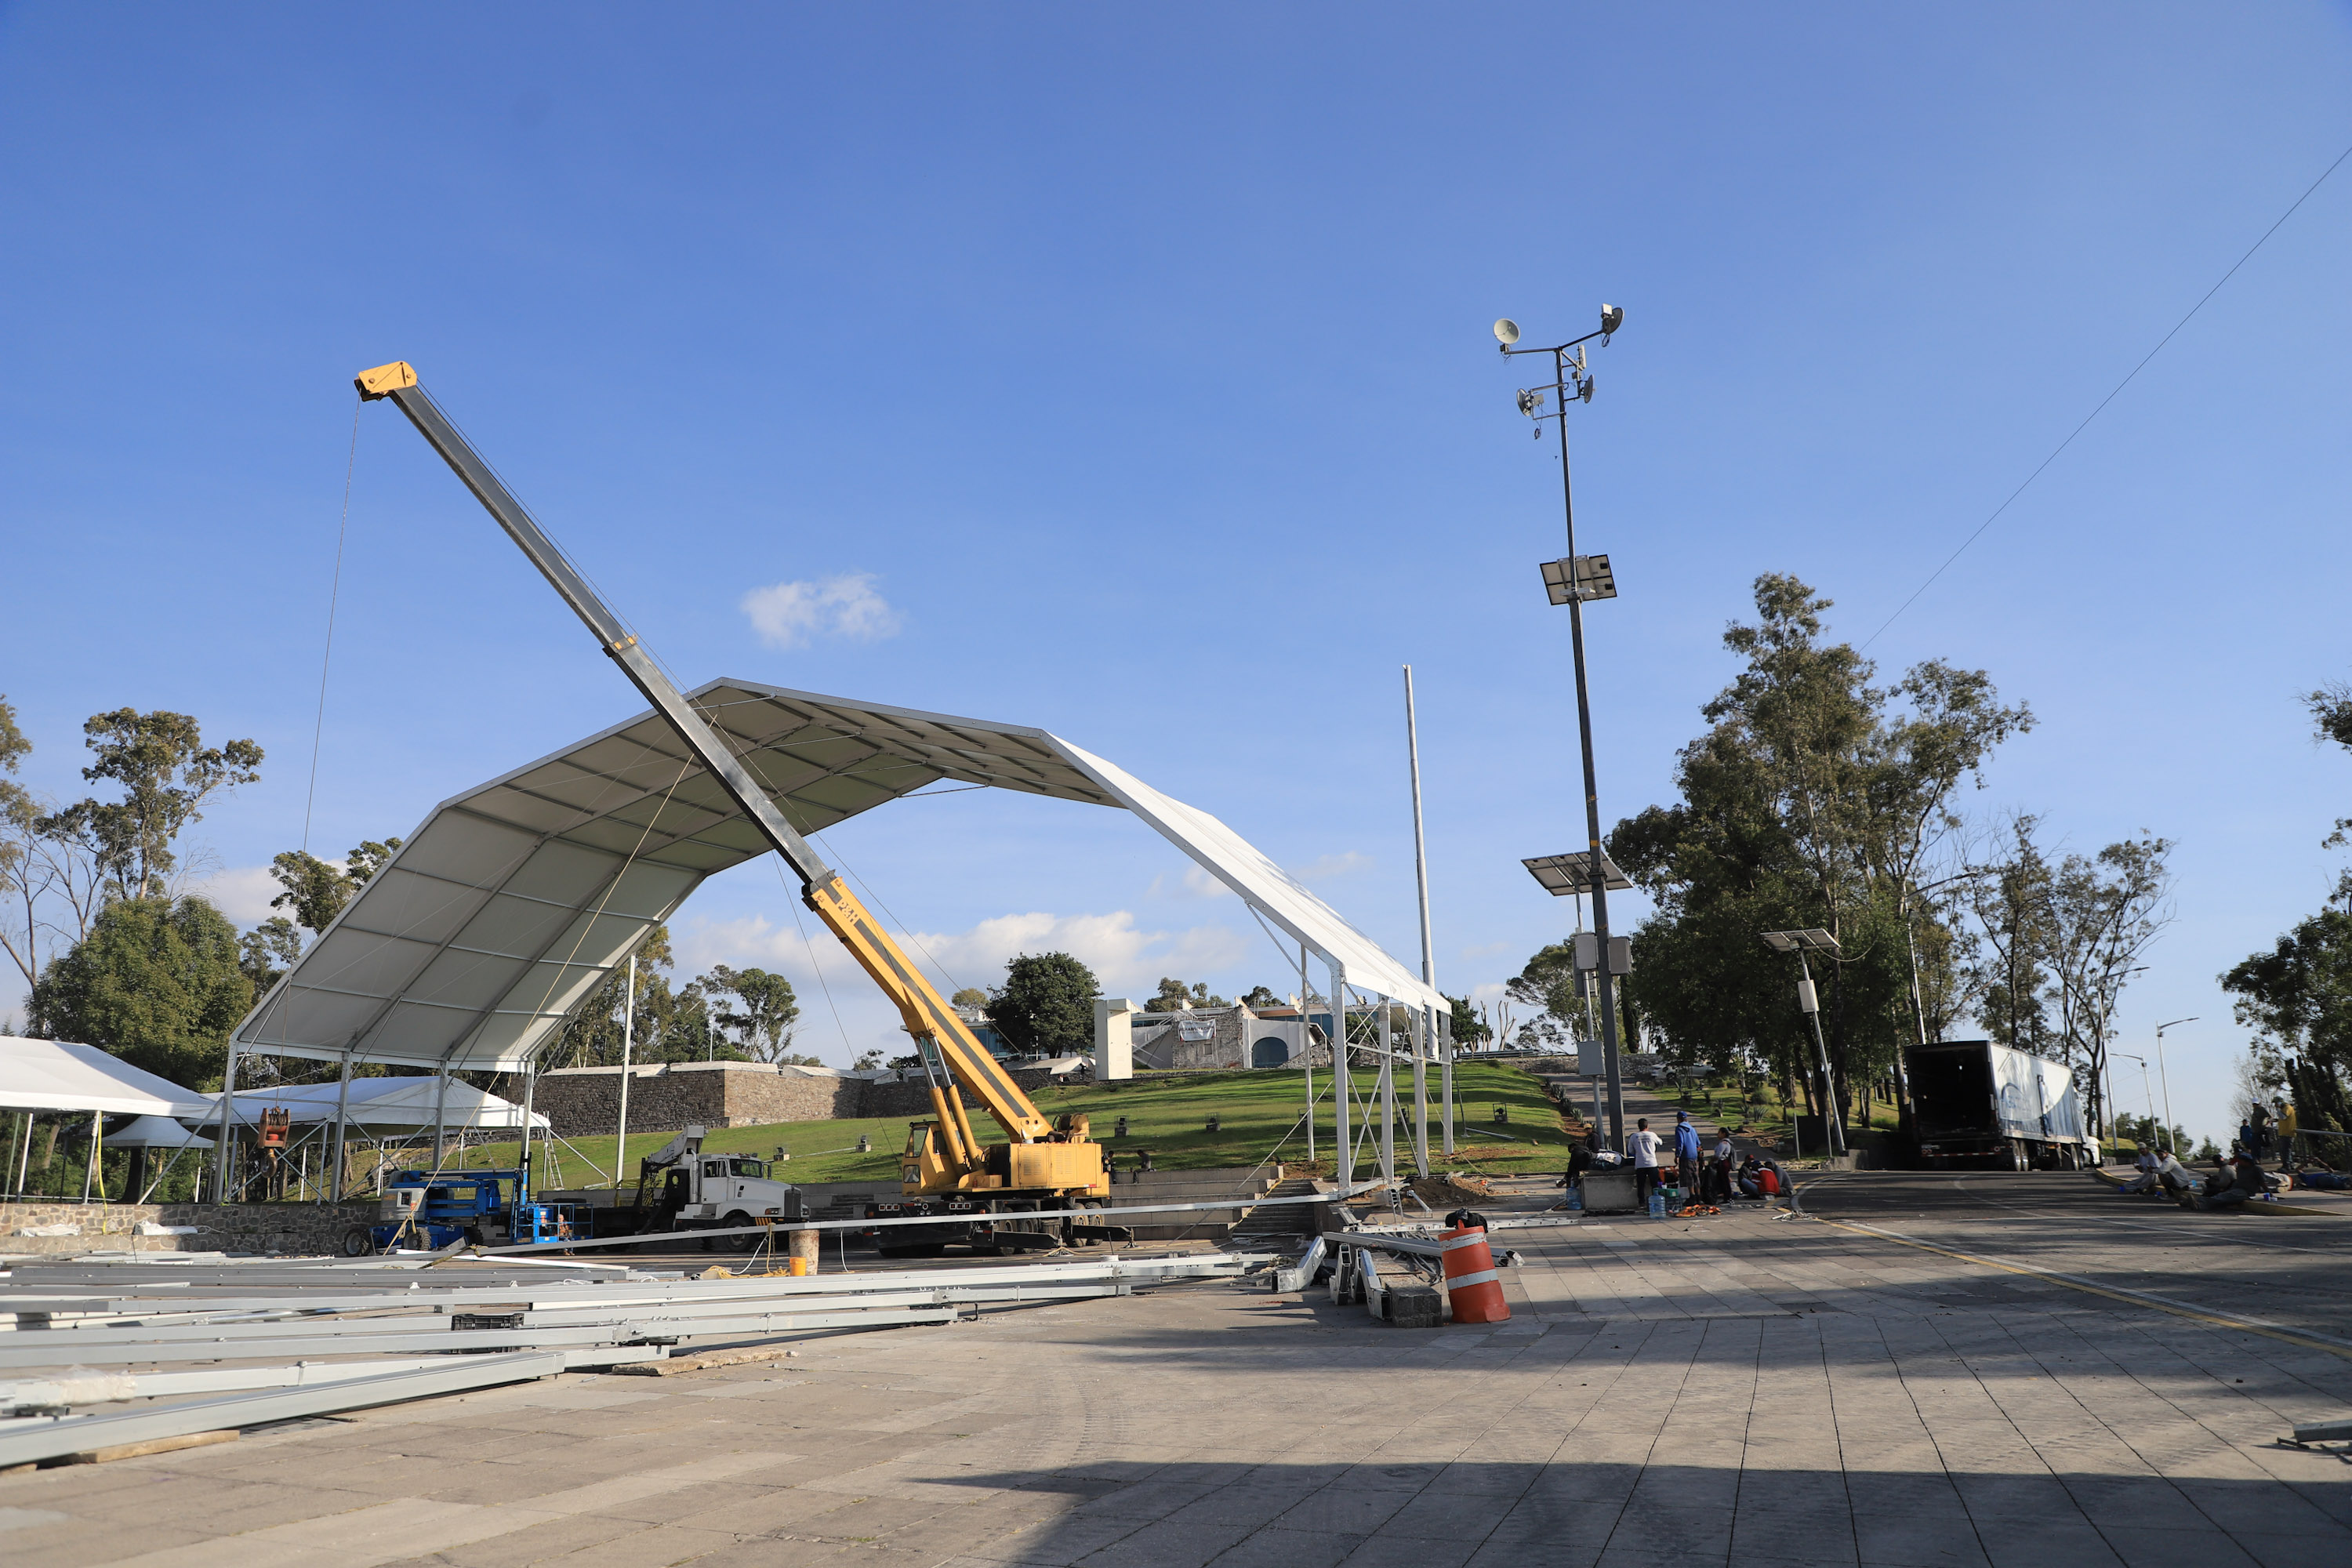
1700, 1173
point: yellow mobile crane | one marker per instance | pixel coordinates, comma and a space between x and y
946, 1169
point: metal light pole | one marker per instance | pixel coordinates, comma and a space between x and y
2170, 1142
1570, 582
2146, 1085
1426, 1037
1809, 1003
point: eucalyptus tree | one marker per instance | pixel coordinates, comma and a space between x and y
1813, 799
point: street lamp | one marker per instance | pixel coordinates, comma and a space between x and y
2166, 1081
1814, 940
2146, 1089
1572, 580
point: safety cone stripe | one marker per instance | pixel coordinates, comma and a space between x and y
1475, 1238
1484, 1276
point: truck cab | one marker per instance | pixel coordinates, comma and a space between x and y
710, 1190
733, 1189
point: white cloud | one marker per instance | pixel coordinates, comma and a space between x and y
1490, 994
1332, 866
242, 893
788, 614
1488, 950
1196, 883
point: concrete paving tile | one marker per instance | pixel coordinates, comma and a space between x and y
1164, 1544
537, 1543
1389, 1550
2295, 1551
655, 1547
92, 1544
2023, 1542
764, 1552
1279, 1548
862, 1519
1922, 1540
2165, 1547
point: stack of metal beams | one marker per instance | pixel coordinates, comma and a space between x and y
107, 1352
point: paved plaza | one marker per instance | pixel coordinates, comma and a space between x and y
1740, 1390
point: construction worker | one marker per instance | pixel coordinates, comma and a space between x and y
2285, 1135
1642, 1144
1687, 1156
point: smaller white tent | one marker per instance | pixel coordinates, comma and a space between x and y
379, 1102
56, 1074
155, 1133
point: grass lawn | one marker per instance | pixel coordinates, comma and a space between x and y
1257, 1113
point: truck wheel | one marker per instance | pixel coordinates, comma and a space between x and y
357, 1242
2018, 1158
737, 1243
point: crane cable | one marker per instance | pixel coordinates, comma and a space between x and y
334, 597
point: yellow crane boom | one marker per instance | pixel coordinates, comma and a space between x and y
1042, 1158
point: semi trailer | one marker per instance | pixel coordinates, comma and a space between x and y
1978, 1103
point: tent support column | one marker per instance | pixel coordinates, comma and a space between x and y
342, 1108
1387, 1098
629, 1044
90, 1166
1342, 1082
529, 1088
1421, 1036
1306, 1049
441, 1114
25, 1160
221, 1155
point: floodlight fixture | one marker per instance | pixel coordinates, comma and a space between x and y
1579, 577
1506, 331
1611, 318
1560, 875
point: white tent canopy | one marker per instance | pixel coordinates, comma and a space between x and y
380, 1102
56, 1074
155, 1133
514, 901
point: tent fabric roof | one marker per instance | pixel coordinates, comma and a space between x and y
379, 1102
513, 901
155, 1133
56, 1074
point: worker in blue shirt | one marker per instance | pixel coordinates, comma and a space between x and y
1686, 1155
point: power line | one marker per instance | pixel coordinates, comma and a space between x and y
2110, 397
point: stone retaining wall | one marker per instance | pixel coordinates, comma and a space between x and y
299, 1230
586, 1102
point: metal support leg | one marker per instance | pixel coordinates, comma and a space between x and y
1446, 1081
220, 1156
342, 1111
1387, 1098
1421, 1033
440, 1115
1343, 1080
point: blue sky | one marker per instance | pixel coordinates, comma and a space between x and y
1137, 365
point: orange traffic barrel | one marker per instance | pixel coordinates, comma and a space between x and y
1470, 1282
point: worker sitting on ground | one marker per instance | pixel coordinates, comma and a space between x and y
1751, 1181
2146, 1181
2175, 1176
2236, 1179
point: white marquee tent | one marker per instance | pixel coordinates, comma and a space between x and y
56, 1074
514, 901
380, 1103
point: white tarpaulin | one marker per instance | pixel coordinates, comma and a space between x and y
55, 1075
379, 1102
515, 901
155, 1133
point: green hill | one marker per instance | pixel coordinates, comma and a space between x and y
1257, 1114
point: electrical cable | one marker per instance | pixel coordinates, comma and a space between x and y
2110, 397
